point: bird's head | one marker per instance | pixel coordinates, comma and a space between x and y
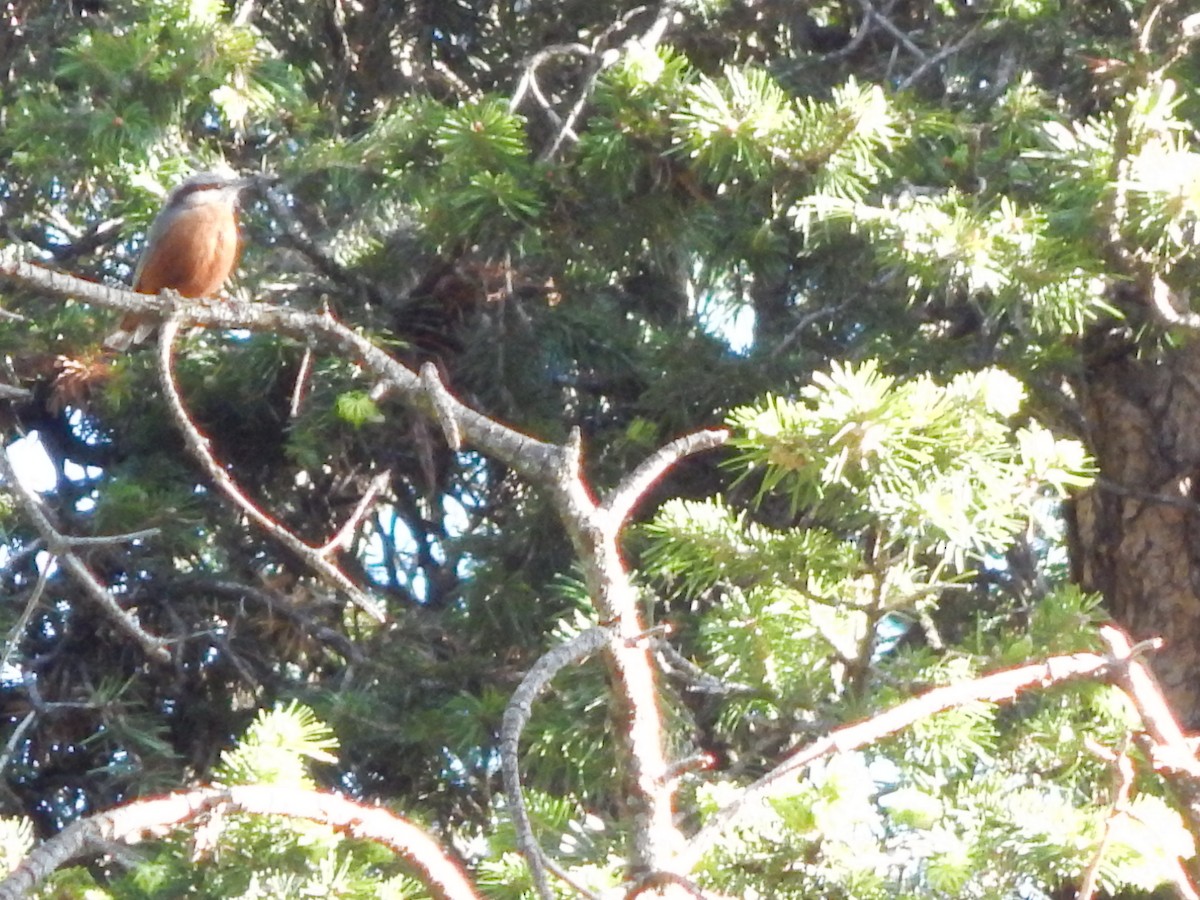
213, 187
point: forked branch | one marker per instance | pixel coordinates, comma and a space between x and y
61, 547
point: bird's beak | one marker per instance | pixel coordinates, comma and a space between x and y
255, 182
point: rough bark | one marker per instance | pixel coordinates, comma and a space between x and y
1136, 532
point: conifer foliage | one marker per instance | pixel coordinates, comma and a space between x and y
698, 448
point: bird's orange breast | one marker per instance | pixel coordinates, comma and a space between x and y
194, 255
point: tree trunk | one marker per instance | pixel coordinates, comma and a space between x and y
1135, 532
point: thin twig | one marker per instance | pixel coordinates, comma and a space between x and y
345, 535
860, 35
10, 746
14, 636
528, 82
108, 539
870, 12
695, 677
567, 129
825, 312
301, 384
1123, 775
599, 61
198, 445
938, 57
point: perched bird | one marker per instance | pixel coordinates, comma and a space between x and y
192, 247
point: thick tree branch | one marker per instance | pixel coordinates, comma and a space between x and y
197, 444
137, 821
657, 841
528, 457
59, 545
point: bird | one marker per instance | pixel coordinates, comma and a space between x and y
192, 247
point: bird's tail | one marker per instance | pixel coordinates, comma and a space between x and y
133, 331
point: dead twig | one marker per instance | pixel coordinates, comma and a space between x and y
342, 539
943, 54
1123, 776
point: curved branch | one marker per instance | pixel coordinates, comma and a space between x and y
597, 62
147, 818
621, 502
197, 444
516, 717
